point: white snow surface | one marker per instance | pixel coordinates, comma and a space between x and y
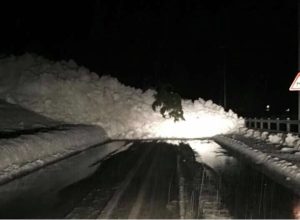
285, 172
275, 138
70, 93
30, 151
289, 139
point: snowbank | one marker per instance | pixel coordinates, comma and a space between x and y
67, 92
53, 179
278, 169
288, 139
28, 152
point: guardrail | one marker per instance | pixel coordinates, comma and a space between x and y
278, 125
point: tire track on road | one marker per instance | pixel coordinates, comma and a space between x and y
107, 212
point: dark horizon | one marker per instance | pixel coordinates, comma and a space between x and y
188, 44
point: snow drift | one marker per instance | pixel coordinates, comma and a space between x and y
28, 152
285, 139
67, 92
279, 169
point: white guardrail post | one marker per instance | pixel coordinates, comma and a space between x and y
277, 124
288, 125
269, 123
261, 126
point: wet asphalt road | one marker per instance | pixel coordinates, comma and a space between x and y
141, 183
149, 180
138, 183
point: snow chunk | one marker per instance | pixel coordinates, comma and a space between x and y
257, 134
291, 140
264, 135
275, 138
249, 133
243, 130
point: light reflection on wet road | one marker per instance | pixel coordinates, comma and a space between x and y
143, 182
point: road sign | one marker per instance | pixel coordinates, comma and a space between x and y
296, 83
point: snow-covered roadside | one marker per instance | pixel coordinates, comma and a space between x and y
65, 93
276, 168
49, 181
29, 141
28, 152
288, 140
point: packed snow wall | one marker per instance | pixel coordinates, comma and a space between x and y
67, 92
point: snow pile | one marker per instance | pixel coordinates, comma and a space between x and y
279, 169
249, 133
67, 92
264, 135
291, 140
275, 138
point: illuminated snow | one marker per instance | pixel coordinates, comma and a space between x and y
289, 139
203, 124
67, 92
212, 154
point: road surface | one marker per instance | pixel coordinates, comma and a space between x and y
149, 180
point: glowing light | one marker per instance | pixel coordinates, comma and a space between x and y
296, 209
194, 126
212, 154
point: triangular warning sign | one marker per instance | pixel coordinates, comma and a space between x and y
296, 83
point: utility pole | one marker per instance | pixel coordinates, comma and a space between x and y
223, 24
224, 79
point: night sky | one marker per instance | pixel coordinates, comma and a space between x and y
189, 44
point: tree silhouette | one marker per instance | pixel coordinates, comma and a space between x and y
169, 103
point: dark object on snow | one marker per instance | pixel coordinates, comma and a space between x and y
169, 102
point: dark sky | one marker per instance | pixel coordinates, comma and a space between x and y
186, 43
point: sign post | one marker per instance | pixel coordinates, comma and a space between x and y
296, 87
